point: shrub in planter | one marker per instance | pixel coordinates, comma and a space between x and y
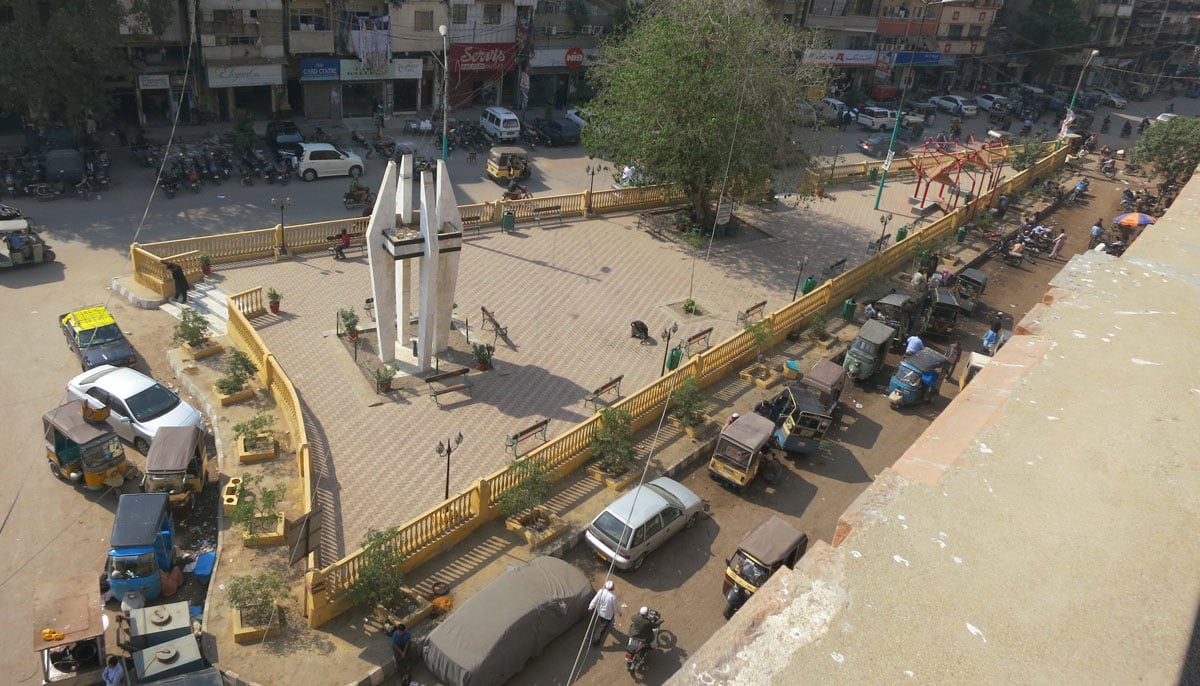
257, 511
760, 331
689, 402
530, 490
238, 370
192, 328
254, 596
254, 437
205, 263
348, 322
379, 580
483, 355
383, 377
689, 306
819, 325
612, 444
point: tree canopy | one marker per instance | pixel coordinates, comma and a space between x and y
1050, 29
57, 55
700, 91
1172, 148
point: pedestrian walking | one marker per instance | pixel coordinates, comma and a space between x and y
471, 157
606, 606
1097, 230
1059, 241
180, 280
953, 355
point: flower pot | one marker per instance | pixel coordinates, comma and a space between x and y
537, 525
248, 633
483, 366
206, 269
274, 305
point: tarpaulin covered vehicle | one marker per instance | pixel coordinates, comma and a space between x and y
491, 637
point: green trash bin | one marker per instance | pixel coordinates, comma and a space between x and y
873, 175
809, 284
674, 356
901, 233
961, 234
849, 308
508, 221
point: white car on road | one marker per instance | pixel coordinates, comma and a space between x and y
1109, 97
988, 101
138, 405
949, 103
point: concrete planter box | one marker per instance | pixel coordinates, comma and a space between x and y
760, 375
520, 523
695, 432
423, 608
226, 400
613, 482
257, 452
230, 497
265, 538
206, 349
246, 633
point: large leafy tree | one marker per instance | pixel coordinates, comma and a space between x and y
1049, 30
700, 92
1172, 148
58, 54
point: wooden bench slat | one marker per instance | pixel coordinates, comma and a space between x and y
513, 441
613, 384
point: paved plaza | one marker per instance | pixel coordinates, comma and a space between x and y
567, 292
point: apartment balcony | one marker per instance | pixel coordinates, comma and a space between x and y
858, 24
307, 42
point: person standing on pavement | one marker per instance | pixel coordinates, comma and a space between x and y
869, 311
991, 339
606, 607
1059, 241
953, 355
401, 642
1097, 229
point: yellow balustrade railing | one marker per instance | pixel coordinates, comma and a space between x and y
449, 522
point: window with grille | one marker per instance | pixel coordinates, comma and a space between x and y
458, 14
309, 20
423, 21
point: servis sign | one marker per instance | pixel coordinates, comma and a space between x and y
482, 56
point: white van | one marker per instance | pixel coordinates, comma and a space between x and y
500, 123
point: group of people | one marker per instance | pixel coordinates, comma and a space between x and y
607, 607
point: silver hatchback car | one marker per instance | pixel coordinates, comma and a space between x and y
642, 520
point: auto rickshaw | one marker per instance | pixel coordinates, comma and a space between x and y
506, 163
68, 637
23, 246
826, 380
740, 451
904, 313
772, 544
177, 465
869, 349
142, 545
943, 313
81, 447
918, 378
969, 285
799, 418
975, 364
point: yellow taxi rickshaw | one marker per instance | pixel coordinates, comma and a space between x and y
507, 162
83, 448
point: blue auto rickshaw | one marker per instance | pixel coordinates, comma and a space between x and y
917, 378
141, 545
800, 419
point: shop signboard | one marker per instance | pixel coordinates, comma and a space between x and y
354, 70
245, 75
845, 58
319, 69
154, 82
482, 57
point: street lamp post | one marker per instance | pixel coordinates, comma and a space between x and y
666, 334
447, 449
799, 275
445, 85
1074, 94
591, 170
281, 204
883, 219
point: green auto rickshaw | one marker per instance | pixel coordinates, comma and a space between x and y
869, 350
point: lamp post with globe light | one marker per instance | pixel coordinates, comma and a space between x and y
445, 31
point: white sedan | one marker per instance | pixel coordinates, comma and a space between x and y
949, 103
138, 405
988, 101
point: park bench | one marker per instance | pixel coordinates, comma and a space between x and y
613, 385
489, 319
449, 382
697, 339
512, 443
834, 269
472, 223
540, 213
645, 222
755, 310
358, 242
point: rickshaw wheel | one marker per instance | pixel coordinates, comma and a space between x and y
141, 445
55, 471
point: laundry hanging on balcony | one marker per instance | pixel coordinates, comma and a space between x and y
373, 42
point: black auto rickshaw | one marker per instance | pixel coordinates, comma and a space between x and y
177, 464
943, 313
772, 544
904, 313
918, 378
969, 285
740, 451
82, 447
508, 163
869, 350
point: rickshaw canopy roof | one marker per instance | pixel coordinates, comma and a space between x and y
876, 332
139, 516
974, 276
806, 400
825, 375
771, 541
78, 616
68, 420
749, 430
507, 151
172, 448
900, 300
944, 298
925, 360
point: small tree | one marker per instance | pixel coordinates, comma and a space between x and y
530, 490
612, 443
379, 577
254, 595
238, 370
1026, 151
819, 325
254, 428
273, 296
257, 508
689, 402
1173, 148
192, 328
383, 376
760, 331
349, 321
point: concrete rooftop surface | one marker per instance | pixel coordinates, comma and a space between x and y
1042, 530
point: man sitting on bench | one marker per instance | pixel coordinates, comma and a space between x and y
343, 242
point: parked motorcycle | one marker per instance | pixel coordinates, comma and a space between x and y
516, 193
169, 183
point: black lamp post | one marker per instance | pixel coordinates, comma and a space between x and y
591, 170
799, 275
447, 449
667, 333
281, 204
883, 219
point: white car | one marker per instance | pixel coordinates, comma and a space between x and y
642, 520
579, 116
831, 109
1165, 117
1109, 97
948, 103
989, 101
876, 118
322, 159
138, 405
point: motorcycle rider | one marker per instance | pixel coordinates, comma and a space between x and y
642, 628
1104, 125
1126, 130
605, 604
359, 192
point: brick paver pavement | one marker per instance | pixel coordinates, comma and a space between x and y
567, 292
